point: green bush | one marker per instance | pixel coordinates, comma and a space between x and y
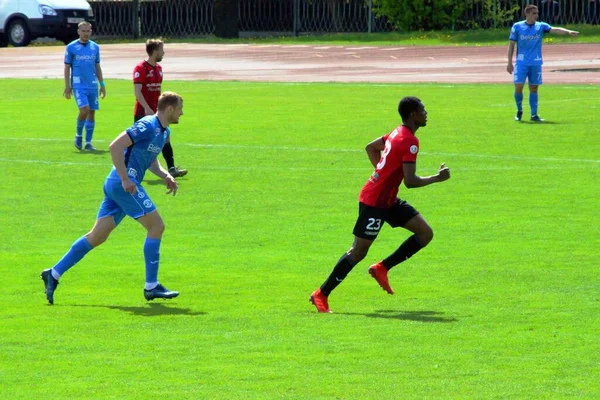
420, 14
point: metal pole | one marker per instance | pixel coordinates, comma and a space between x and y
136, 19
296, 6
370, 23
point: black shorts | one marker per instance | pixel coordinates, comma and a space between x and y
370, 219
136, 119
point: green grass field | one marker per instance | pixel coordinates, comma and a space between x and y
504, 303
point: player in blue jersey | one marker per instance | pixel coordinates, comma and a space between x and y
83, 74
528, 36
133, 152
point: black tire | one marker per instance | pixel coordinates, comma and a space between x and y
3, 40
18, 33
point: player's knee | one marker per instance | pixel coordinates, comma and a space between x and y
357, 254
425, 235
96, 239
157, 229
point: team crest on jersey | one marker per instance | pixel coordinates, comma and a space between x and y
413, 149
137, 75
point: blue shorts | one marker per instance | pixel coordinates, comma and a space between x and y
118, 203
533, 73
86, 98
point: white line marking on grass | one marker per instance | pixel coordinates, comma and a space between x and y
330, 150
269, 168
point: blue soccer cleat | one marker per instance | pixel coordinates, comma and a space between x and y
519, 115
89, 147
160, 292
50, 284
78, 142
536, 118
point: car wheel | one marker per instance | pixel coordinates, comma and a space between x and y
18, 33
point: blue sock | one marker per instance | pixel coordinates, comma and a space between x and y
89, 130
80, 124
77, 251
519, 101
151, 256
533, 103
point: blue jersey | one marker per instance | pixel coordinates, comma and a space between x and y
529, 42
83, 59
148, 137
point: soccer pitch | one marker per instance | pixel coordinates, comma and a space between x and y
504, 302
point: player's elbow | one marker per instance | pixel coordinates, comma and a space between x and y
411, 182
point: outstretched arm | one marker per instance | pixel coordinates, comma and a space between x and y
411, 180
563, 31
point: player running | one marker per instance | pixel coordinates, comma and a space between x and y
133, 152
378, 202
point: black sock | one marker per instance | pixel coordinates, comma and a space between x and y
341, 269
404, 252
167, 153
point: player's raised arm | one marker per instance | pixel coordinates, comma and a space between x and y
412, 180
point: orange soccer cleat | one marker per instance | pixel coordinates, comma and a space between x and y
379, 273
320, 301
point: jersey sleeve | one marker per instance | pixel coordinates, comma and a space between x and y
513, 33
546, 27
68, 56
411, 149
141, 130
138, 75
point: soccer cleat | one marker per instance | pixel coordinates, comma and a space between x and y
536, 118
320, 301
78, 142
50, 284
519, 115
89, 147
379, 273
176, 172
159, 292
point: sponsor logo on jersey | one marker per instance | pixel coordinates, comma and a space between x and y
529, 37
152, 148
85, 57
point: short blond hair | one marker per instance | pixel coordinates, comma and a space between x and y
84, 23
168, 99
152, 45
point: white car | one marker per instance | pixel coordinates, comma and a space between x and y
21, 21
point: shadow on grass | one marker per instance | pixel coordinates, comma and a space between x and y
418, 316
92, 152
150, 310
154, 182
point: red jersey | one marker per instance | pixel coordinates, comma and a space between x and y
381, 190
151, 78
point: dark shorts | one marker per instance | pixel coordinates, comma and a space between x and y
136, 119
370, 219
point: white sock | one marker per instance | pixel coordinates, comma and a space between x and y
55, 274
150, 285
